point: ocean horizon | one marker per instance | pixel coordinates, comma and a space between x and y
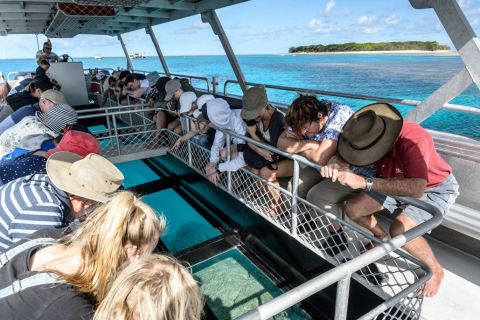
400, 76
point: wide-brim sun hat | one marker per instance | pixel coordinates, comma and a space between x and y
58, 117
369, 134
92, 177
218, 112
202, 101
254, 103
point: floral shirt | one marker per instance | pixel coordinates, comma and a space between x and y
29, 132
338, 114
337, 117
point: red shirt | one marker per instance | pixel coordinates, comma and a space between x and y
414, 156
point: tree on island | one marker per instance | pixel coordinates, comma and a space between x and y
372, 46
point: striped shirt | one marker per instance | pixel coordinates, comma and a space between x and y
29, 204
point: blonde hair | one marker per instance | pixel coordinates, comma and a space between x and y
152, 287
102, 237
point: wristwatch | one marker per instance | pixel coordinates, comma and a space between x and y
369, 183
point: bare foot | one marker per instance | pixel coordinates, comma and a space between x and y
432, 285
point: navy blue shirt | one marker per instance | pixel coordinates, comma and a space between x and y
25, 111
21, 166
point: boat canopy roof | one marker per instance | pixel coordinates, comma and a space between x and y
68, 18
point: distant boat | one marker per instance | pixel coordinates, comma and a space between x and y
98, 57
138, 55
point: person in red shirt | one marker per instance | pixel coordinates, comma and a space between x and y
405, 158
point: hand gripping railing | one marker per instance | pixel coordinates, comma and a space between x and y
407, 102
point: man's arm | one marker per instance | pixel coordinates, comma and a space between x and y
406, 187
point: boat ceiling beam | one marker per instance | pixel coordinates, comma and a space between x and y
129, 61
166, 4
150, 32
468, 47
6, 8
145, 13
212, 18
24, 16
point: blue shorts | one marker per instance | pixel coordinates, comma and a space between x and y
442, 196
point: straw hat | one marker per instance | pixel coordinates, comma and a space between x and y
92, 177
369, 134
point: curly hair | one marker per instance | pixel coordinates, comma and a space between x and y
304, 110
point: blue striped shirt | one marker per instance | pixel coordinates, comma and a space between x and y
29, 204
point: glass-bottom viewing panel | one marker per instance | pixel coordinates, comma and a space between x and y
136, 172
185, 226
233, 285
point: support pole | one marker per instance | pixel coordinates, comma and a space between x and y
212, 18
150, 32
129, 61
468, 47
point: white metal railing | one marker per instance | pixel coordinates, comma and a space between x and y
407, 102
396, 277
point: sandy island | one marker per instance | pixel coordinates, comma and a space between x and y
393, 52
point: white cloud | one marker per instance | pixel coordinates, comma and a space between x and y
319, 26
329, 6
393, 19
370, 30
367, 20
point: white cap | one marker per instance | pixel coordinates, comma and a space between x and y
186, 100
219, 112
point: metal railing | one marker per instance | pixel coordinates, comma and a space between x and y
189, 77
407, 102
392, 274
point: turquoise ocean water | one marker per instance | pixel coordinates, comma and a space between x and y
396, 76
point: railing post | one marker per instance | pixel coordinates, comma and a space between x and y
189, 145
212, 18
150, 32
215, 85
129, 61
229, 173
115, 129
468, 47
294, 208
341, 302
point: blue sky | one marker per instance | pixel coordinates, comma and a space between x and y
266, 26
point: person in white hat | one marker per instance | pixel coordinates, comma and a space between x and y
201, 125
72, 184
222, 117
408, 165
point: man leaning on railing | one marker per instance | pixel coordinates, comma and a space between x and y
408, 165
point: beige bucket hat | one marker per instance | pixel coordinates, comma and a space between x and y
92, 177
254, 103
369, 134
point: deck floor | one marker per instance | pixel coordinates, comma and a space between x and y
460, 291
